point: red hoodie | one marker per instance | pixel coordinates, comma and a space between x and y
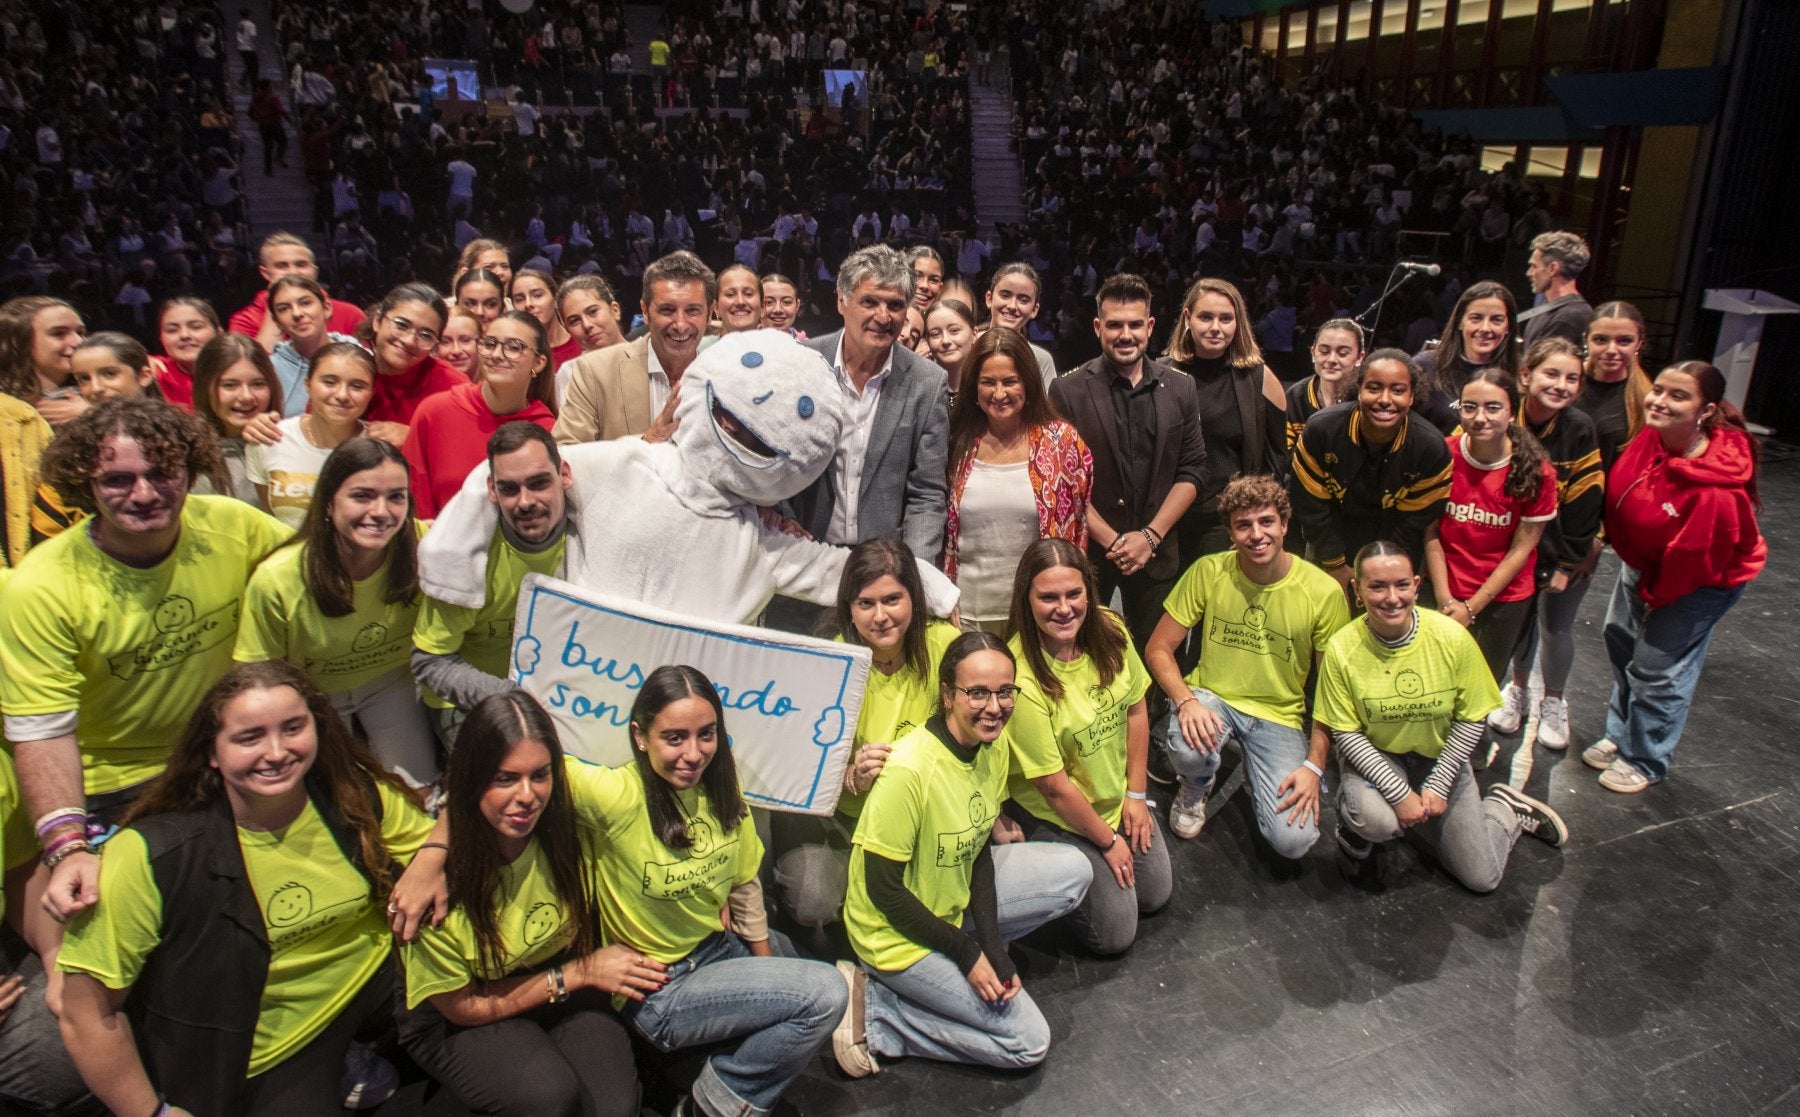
1685, 523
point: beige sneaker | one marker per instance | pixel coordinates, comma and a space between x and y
1600, 755
850, 1039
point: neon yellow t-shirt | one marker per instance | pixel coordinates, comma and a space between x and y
282, 621
893, 705
18, 843
327, 936
1083, 735
1259, 640
534, 928
1404, 699
484, 636
933, 812
134, 650
662, 901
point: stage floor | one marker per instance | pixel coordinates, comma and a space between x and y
1648, 967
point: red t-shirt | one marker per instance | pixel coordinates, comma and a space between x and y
398, 395
177, 386
1478, 525
448, 438
345, 317
567, 351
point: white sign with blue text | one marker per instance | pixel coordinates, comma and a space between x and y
790, 701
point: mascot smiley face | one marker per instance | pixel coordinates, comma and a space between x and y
760, 416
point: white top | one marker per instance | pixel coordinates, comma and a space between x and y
996, 521
290, 469
853, 453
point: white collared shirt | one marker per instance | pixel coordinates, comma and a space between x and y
853, 452
660, 388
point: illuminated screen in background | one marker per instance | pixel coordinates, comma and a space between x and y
836, 80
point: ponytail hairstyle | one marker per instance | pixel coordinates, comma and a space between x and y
719, 783
1100, 639
1525, 474
1725, 413
474, 869
960, 649
1637, 380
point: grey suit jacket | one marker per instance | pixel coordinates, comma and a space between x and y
903, 488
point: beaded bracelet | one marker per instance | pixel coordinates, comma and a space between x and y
66, 851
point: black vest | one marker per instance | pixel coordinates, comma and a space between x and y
194, 1006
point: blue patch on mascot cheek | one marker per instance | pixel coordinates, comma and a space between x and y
750, 360
805, 407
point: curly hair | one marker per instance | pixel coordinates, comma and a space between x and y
1246, 492
171, 438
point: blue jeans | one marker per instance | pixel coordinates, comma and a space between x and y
1656, 658
929, 1009
785, 1008
1271, 751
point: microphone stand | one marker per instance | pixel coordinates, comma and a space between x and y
1404, 273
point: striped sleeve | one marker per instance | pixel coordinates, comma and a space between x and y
1459, 746
1367, 761
50, 517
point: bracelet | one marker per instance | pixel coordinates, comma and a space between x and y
1185, 701
1155, 539
1150, 539
1313, 768
62, 816
559, 989
63, 853
58, 843
1140, 796
162, 1108
423, 846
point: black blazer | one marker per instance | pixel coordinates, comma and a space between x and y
1084, 398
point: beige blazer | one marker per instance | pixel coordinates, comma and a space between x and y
608, 395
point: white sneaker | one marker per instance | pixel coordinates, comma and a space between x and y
1515, 703
1187, 814
1553, 724
1600, 755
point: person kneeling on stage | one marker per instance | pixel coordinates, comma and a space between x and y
932, 904
1405, 693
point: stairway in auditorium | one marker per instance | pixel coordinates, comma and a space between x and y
643, 22
994, 164
282, 201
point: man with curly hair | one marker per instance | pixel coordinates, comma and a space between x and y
111, 632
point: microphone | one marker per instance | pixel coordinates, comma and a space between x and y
1414, 265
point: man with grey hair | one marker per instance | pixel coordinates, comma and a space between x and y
632, 388
888, 475
1557, 259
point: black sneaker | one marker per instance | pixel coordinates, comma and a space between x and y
1351, 846
1535, 817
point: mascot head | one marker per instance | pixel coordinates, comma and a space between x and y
760, 416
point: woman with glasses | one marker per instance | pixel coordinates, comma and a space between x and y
1482, 552
1080, 738
450, 432
932, 905
404, 332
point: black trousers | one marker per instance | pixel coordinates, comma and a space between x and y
310, 1081
1142, 596
556, 1061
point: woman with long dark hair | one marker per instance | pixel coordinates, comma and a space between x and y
508, 998
1681, 508
880, 606
925, 913
236, 391
1477, 336
1018, 473
404, 328
1080, 738
677, 851
340, 601
1481, 553
238, 945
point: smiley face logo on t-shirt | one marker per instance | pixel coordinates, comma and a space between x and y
291, 903
1408, 684
1411, 701
701, 835
1108, 715
540, 922
172, 613
372, 635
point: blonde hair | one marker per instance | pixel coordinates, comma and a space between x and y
1243, 352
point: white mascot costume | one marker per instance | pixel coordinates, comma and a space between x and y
675, 524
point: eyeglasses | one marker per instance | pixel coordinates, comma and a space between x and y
120, 481
512, 347
1493, 409
980, 696
406, 326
